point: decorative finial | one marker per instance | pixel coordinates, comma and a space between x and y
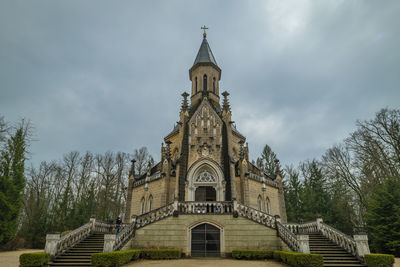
132, 171
204, 33
241, 150
225, 104
185, 102
277, 167
168, 150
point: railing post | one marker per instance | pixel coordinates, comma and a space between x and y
304, 245
319, 221
362, 244
109, 241
51, 244
235, 205
92, 221
175, 205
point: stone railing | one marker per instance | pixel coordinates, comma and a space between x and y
342, 240
357, 246
260, 178
56, 245
155, 176
156, 215
113, 242
298, 243
287, 236
308, 227
255, 215
102, 227
214, 207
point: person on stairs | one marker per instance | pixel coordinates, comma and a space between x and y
118, 223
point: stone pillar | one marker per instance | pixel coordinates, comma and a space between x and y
92, 224
109, 241
304, 246
175, 205
362, 244
51, 244
319, 221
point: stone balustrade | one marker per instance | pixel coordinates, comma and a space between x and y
214, 207
155, 176
56, 245
299, 228
357, 246
342, 240
260, 178
288, 237
156, 215
255, 215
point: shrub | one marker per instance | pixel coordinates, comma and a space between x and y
252, 254
301, 259
115, 258
34, 259
160, 254
277, 255
379, 260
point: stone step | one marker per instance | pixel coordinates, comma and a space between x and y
66, 264
342, 265
72, 260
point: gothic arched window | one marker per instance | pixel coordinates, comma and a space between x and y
214, 85
143, 204
259, 202
205, 177
205, 82
267, 205
150, 202
195, 85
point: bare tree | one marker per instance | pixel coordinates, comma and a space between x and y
142, 158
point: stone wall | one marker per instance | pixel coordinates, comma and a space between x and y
255, 190
236, 233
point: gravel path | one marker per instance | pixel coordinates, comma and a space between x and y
11, 259
205, 262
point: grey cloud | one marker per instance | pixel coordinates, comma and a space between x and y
99, 75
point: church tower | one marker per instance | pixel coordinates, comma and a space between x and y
205, 158
204, 75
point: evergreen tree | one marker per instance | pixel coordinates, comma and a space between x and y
12, 181
268, 160
383, 218
293, 189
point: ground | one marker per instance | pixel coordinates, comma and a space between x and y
205, 262
11, 259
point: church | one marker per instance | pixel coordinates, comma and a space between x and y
205, 169
205, 197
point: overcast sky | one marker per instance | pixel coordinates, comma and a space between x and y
107, 75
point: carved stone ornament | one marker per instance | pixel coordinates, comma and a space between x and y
205, 177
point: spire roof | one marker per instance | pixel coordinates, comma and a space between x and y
205, 54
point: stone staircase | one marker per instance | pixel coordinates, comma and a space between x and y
79, 255
334, 256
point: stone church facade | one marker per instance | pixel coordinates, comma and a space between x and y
205, 167
205, 197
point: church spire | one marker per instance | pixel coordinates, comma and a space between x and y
205, 54
204, 74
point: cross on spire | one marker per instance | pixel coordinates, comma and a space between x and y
204, 28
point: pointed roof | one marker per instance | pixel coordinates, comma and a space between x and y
205, 54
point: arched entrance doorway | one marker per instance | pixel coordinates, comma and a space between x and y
206, 241
205, 181
205, 193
